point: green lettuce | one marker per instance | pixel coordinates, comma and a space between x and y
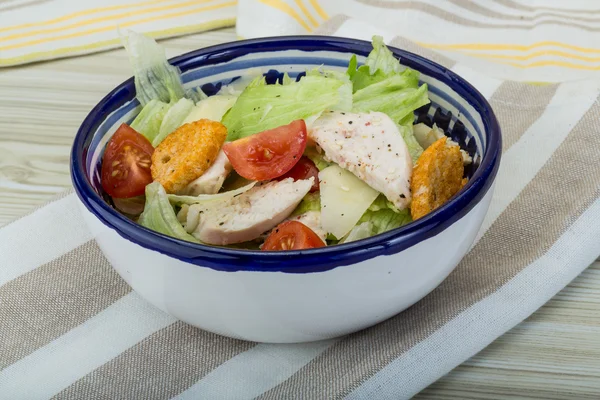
209, 198
149, 120
329, 73
317, 158
397, 96
287, 80
154, 77
261, 107
362, 78
310, 202
414, 148
379, 65
382, 59
173, 119
386, 218
351, 71
380, 217
159, 215
382, 203
360, 231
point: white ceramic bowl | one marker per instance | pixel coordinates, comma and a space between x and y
293, 296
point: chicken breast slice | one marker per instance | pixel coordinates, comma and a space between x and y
371, 147
212, 180
312, 219
247, 216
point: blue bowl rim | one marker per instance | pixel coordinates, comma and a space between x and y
296, 261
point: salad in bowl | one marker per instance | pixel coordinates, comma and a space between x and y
280, 163
286, 189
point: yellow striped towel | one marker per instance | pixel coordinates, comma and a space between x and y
42, 29
550, 40
547, 40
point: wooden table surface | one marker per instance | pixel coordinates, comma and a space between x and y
554, 354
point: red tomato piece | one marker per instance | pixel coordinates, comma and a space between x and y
303, 169
126, 164
292, 235
268, 154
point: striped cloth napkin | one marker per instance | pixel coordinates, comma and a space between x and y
548, 40
35, 30
70, 327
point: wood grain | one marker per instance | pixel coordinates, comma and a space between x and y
554, 354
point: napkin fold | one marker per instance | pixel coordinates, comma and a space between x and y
72, 328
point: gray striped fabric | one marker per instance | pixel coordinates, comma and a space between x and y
70, 328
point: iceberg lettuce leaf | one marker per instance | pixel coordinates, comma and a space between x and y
149, 120
155, 78
310, 202
383, 216
159, 215
173, 119
382, 59
261, 107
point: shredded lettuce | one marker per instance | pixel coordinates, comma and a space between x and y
385, 219
381, 58
155, 78
310, 202
287, 80
206, 198
317, 158
396, 96
362, 78
414, 148
379, 65
380, 217
213, 108
159, 215
352, 66
149, 120
261, 107
329, 73
173, 119
360, 231
381, 203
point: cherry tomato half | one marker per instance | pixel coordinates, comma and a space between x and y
292, 235
126, 165
268, 154
303, 169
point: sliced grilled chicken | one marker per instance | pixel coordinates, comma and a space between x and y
312, 219
371, 147
211, 181
248, 215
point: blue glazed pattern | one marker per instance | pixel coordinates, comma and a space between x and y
456, 107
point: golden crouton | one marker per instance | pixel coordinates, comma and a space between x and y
187, 153
437, 176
